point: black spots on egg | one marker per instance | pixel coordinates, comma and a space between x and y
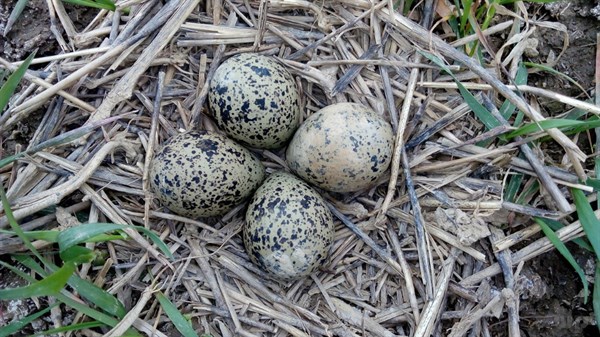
355, 143
306, 201
273, 203
374, 162
220, 89
261, 103
316, 123
166, 191
210, 147
245, 106
261, 71
287, 226
225, 112
202, 173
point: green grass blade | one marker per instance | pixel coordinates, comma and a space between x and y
594, 183
182, 324
100, 297
475, 45
75, 235
550, 124
587, 218
108, 5
106, 2
581, 242
50, 285
590, 224
407, 6
14, 15
555, 72
490, 13
52, 236
466, 13
107, 237
577, 113
507, 2
17, 326
86, 310
89, 291
15, 225
61, 139
507, 109
72, 327
519, 118
528, 192
596, 295
479, 110
514, 184
564, 251
478, 51
18, 271
49, 236
592, 122
78, 255
77, 305
454, 25
12, 82
30, 263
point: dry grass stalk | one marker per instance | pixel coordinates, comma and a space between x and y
394, 267
575, 103
421, 36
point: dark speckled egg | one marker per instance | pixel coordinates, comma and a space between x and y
255, 100
344, 147
289, 229
202, 173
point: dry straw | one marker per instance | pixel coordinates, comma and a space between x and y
417, 254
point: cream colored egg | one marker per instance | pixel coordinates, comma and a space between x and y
344, 147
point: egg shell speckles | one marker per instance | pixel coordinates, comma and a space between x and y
289, 229
344, 147
202, 173
255, 100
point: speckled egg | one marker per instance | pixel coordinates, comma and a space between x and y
344, 147
289, 229
255, 100
202, 173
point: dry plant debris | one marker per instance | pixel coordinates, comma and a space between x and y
434, 248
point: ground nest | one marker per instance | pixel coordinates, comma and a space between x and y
438, 247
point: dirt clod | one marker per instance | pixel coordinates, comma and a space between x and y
31, 32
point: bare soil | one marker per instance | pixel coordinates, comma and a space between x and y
556, 307
582, 21
31, 32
